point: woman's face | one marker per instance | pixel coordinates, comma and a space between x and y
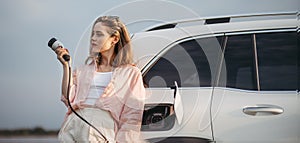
101, 40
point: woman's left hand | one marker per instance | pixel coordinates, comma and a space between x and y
75, 107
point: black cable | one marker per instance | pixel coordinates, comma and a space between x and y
69, 103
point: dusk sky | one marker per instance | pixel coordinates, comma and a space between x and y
30, 75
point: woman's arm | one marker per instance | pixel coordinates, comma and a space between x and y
64, 85
65, 79
131, 116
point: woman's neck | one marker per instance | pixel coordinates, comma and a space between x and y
104, 68
105, 63
107, 57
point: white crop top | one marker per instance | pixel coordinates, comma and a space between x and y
99, 83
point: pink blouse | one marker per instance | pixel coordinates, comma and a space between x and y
123, 98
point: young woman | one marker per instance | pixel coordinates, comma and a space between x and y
107, 91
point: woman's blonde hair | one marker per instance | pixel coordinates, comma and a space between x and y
122, 50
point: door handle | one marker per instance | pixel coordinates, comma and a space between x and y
263, 110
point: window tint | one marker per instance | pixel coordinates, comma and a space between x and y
162, 74
185, 63
239, 62
277, 60
298, 60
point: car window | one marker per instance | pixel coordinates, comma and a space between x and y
277, 60
298, 43
185, 63
240, 62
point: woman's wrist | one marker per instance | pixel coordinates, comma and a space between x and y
65, 66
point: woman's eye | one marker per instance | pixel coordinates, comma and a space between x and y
97, 34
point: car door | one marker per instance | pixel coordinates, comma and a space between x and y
190, 62
256, 98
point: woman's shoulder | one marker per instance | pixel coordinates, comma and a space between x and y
130, 68
84, 67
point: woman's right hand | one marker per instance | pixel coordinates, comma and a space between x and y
60, 52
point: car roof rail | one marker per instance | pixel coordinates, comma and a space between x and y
223, 19
217, 20
165, 26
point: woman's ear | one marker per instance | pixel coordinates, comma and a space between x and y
115, 40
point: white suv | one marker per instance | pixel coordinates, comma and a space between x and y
238, 79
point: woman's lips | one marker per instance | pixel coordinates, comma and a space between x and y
94, 44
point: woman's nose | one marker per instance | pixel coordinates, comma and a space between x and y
93, 38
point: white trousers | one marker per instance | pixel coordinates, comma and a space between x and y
76, 130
